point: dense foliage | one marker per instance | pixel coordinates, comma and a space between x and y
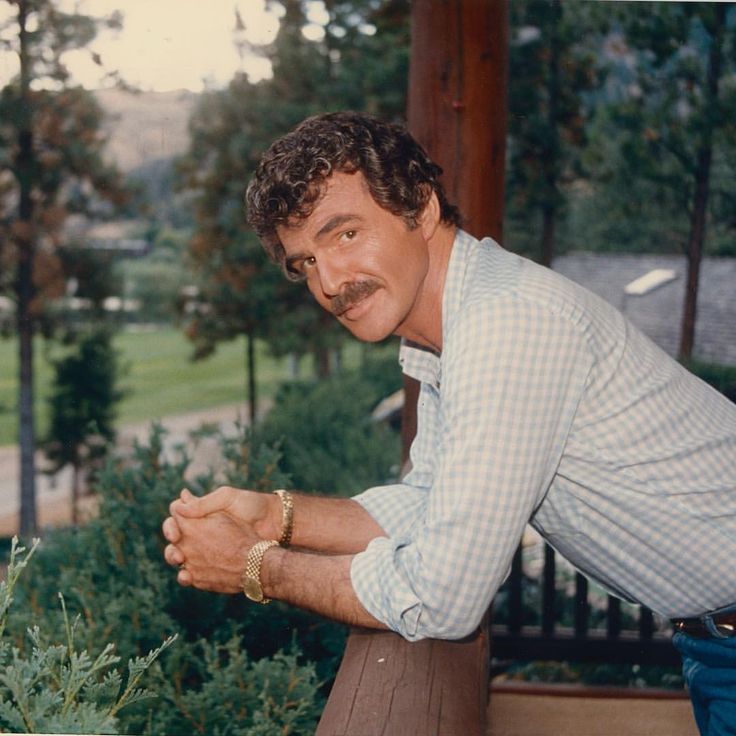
55, 687
236, 668
552, 66
721, 377
328, 440
113, 576
82, 407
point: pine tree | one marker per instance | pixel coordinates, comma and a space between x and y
50, 162
82, 408
552, 67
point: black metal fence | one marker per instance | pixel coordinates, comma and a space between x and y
537, 618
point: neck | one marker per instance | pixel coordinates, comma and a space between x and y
424, 324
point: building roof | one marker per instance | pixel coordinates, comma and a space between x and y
658, 312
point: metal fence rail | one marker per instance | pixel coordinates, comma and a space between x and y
545, 638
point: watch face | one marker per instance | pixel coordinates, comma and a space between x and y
252, 589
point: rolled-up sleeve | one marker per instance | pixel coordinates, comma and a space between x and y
397, 508
512, 378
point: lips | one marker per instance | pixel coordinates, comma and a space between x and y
351, 296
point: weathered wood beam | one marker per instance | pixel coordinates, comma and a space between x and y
387, 686
457, 101
458, 86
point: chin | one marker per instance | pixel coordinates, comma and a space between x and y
367, 333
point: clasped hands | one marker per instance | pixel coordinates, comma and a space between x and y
209, 537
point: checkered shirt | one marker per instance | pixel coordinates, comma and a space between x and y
546, 406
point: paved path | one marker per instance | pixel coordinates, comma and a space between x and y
53, 494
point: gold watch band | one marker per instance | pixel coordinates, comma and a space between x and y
287, 516
251, 580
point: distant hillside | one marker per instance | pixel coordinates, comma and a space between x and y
146, 126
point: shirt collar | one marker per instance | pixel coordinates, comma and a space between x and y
420, 362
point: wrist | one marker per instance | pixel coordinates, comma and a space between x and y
272, 574
268, 525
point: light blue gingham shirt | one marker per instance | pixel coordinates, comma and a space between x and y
547, 406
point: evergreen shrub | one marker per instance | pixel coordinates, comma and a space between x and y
114, 578
721, 377
235, 669
329, 442
55, 688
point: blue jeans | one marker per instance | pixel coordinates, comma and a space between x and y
709, 669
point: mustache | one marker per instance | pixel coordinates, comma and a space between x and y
351, 295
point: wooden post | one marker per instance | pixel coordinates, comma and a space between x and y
457, 102
457, 111
387, 686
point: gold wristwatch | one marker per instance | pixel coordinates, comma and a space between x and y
251, 580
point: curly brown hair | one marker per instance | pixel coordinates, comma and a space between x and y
289, 180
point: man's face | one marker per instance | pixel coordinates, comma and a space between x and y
361, 262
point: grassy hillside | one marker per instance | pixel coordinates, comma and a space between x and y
159, 378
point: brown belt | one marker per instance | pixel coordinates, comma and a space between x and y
716, 625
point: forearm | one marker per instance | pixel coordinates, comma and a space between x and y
330, 525
318, 583
336, 526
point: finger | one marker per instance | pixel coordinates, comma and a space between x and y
184, 577
171, 530
192, 509
186, 495
173, 555
197, 506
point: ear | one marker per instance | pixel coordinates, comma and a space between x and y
429, 219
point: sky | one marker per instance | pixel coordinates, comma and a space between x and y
169, 44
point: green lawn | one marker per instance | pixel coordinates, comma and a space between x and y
159, 377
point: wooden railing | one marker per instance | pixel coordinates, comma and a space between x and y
390, 687
387, 686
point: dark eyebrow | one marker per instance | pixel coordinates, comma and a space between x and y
335, 222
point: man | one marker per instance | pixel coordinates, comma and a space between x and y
539, 403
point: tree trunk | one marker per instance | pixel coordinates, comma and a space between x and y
250, 356
457, 111
322, 362
549, 219
76, 476
24, 289
322, 353
696, 237
551, 162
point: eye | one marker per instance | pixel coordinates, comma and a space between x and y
297, 269
348, 235
294, 270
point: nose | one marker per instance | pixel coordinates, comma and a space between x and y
332, 276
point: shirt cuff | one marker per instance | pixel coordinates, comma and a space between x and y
382, 591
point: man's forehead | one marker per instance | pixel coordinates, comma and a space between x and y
339, 196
